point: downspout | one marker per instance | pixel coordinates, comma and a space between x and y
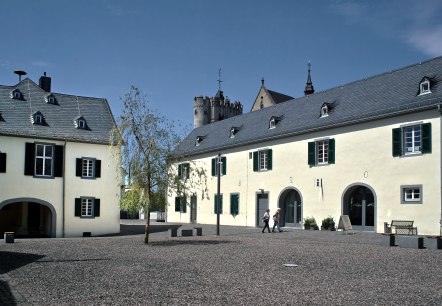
439, 108
63, 190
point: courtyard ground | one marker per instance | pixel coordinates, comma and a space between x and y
242, 266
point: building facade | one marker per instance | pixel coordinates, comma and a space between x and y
370, 149
57, 175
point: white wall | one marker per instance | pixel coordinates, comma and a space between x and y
14, 184
363, 156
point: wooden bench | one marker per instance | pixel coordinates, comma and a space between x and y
402, 227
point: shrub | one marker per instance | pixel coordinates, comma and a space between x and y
328, 224
310, 223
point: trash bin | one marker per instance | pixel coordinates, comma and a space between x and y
9, 237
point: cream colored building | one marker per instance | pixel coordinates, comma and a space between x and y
370, 149
57, 176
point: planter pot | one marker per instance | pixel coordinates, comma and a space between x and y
412, 242
388, 240
433, 243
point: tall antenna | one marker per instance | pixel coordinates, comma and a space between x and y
219, 79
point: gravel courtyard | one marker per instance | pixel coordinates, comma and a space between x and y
242, 266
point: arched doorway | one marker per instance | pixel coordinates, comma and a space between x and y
290, 202
27, 218
359, 203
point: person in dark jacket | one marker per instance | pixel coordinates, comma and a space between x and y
266, 219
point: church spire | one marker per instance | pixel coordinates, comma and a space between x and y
309, 86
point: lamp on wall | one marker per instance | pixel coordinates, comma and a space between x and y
262, 190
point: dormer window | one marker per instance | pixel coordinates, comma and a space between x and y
424, 87
324, 110
50, 99
233, 132
37, 118
198, 140
274, 122
16, 94
80, 123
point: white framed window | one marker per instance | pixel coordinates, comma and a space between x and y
232, 133
87, 207
81, 124
411, 194
51, 99
322, 152
87, 168
38, 119
424, 87
184, 171
324, 110
412, 139
198, 141
44, 155
16, 94
262, 160
272, 123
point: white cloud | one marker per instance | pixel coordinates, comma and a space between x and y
428, 40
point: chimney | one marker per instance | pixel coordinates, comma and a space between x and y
45, 83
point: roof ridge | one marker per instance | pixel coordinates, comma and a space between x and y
374, 76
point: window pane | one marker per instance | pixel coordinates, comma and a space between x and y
263, 160
39, 166
40, 149
48, 151
47, 166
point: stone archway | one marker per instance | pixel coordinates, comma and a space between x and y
290, 202
28, 217
359, 203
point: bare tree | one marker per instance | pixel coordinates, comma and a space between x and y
145, 141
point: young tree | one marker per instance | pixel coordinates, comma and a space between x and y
145, 141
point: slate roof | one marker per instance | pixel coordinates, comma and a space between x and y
279, 97
388, 94
59, 118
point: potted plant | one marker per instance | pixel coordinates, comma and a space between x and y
310, 223
328, 224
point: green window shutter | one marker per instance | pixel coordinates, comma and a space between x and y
397, 142
97, 168
269, 159
2, 162
183, 205
213, 166
224, 163
426, 138
78, 166
255, 162
58, 161
188, 170
177, 204
29, 158
220, 204
96, 207
234, 204
180, 170
331, 151
77, 207
311, 153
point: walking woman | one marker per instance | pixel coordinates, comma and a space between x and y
266, 219
276, 220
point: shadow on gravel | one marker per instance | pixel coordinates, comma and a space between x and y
6, 297
168, 243
13, 260
72, 260
137, 229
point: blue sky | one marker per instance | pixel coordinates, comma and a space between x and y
172, 50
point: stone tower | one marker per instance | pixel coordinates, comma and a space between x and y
208, 110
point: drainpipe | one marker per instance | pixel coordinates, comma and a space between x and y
63, 189
439, 108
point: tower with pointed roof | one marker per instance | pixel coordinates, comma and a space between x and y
309, 85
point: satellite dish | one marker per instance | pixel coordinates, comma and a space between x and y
20, 73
